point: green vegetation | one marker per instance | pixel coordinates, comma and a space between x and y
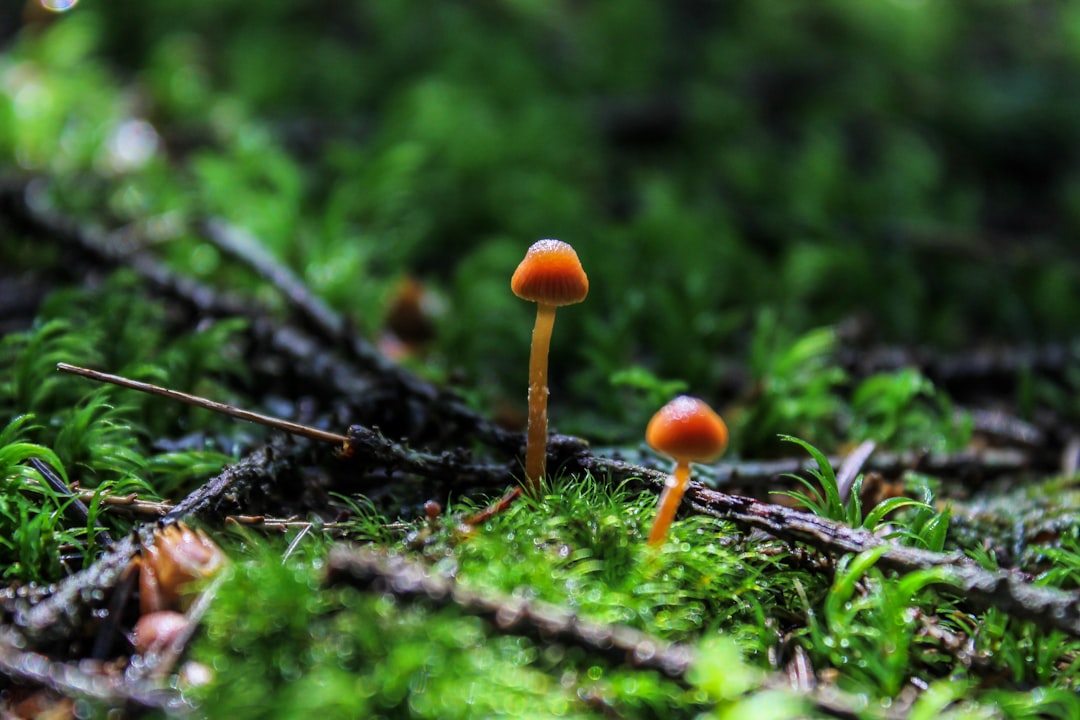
761, 193
84, 433
275, 633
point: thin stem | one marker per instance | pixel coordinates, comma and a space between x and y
536, 449
289, 427
670, 497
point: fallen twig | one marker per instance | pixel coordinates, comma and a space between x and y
982, 463
1002, 427
130, 503
232, 490
239, 244
993, 367
387, 572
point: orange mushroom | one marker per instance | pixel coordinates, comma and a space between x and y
688, 430
550, 276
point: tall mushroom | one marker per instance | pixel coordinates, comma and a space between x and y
550, 276
688, 430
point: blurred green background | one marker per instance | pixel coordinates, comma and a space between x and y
732, 174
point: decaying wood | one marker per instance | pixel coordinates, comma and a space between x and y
42, 624
981, 463
239, 244
65, 611
231, 491
1006, 590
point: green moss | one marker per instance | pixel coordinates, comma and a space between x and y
583, 545
101, 437
283, 646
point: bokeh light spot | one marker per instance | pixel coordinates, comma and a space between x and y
59, 5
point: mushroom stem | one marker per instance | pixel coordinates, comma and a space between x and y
536, 448
670, 497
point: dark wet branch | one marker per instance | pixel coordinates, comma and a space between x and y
371, 447
373, 569
232, 490
53, 622
751, 475
85, 678
369, 568
241, 245
1002, 427
62, 614
998, 368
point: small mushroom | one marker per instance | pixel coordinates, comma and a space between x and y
551, 276
687, 430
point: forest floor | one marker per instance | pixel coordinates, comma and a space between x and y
376, 578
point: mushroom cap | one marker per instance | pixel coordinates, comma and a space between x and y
550, 274
687, 429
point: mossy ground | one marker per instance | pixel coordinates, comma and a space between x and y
755, 189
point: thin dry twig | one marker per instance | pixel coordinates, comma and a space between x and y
130, 503
307, 431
